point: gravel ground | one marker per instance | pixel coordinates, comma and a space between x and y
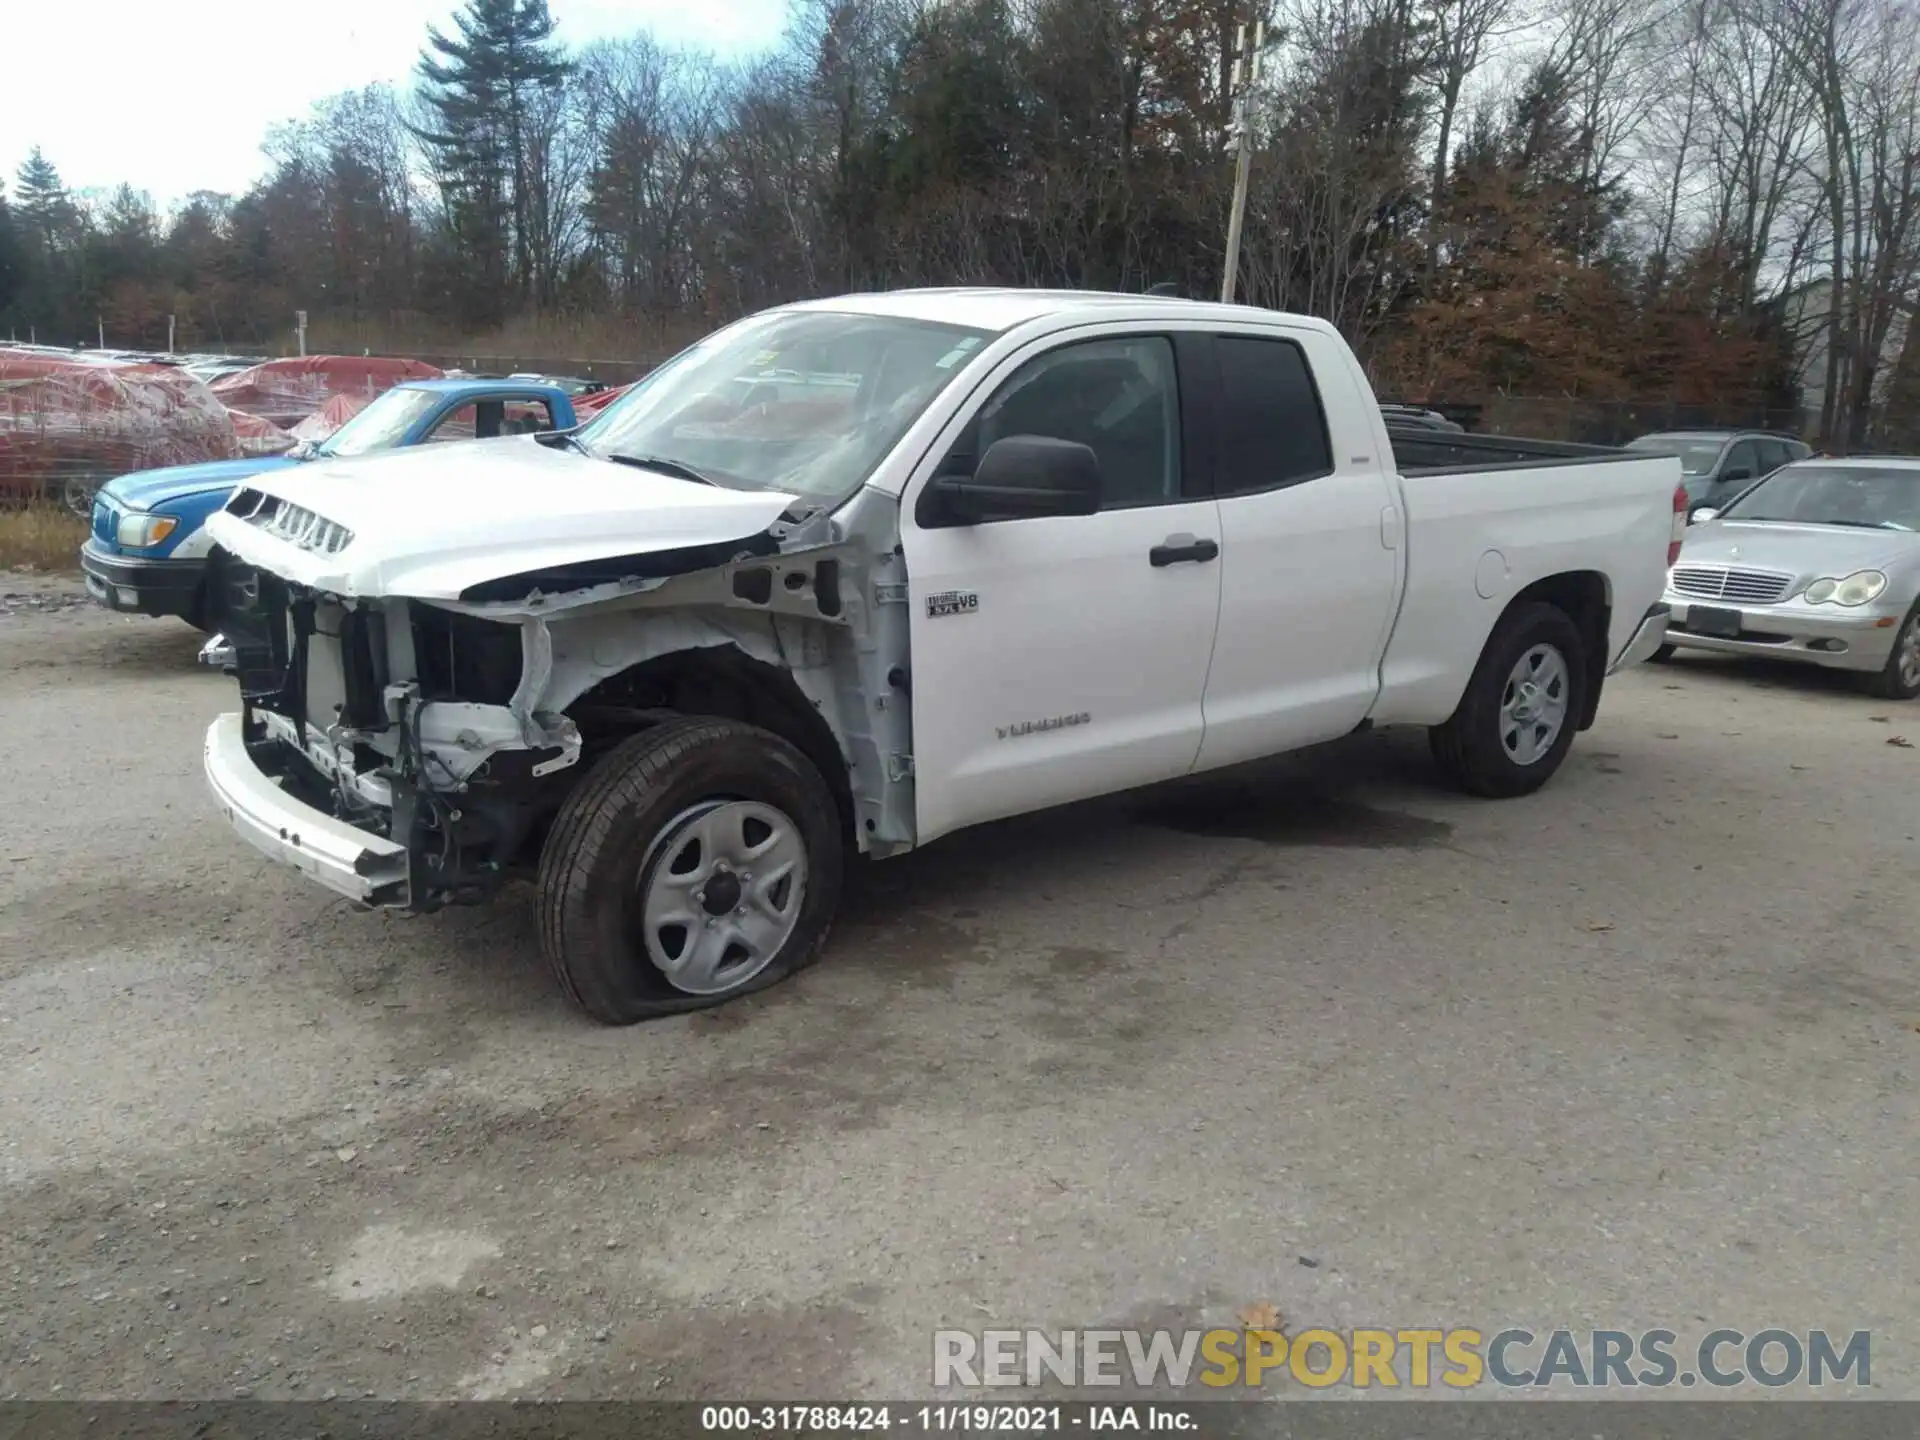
1638, 1051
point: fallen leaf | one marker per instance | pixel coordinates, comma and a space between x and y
1260, 1316
1796, 767
1664, 736
345, 1154
1599, 924
1880, 719
1901, 741
1671, 687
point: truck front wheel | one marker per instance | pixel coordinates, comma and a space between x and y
1517, 717
699, 861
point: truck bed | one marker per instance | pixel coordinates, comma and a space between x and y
1418, 450
1485, 516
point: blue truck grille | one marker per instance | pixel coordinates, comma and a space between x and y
105, 520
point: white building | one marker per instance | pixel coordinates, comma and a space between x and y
1805, 310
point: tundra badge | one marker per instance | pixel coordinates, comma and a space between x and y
1035, 727
952, 602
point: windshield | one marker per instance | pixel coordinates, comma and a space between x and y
1875, 499
1697, 457
806, 402
382, 425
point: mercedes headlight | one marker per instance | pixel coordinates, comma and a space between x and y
1856, 589
138, 531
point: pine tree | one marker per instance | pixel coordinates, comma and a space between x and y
479, 85
9, 253
45, 207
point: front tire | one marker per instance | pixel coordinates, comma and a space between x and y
699, 861
1516, 721
1900, 678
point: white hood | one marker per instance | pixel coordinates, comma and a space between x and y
429, 523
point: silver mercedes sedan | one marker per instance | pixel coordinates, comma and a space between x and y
1819, 562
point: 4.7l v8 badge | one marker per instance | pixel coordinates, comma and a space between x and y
952, 602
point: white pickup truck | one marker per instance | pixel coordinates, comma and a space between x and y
850, 575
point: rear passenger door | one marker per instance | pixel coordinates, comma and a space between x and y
1310, 548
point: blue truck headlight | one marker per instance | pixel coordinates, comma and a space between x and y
138, 531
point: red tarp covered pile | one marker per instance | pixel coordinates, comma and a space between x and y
69, 423
587, 406
288, 391
259, 437
329, 417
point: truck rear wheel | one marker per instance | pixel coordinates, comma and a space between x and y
699, 861
1517, 718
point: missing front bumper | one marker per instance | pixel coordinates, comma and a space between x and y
347, 860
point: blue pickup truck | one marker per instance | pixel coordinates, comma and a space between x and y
147, 552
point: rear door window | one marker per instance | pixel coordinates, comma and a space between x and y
1272, 427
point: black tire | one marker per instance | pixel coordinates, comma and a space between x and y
1890, 683
605, 842
1662, 655
1469, 746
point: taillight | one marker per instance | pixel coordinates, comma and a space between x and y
1679, 524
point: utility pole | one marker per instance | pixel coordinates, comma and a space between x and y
300, 328
1244, 75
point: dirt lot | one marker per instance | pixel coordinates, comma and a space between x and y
1638, 1051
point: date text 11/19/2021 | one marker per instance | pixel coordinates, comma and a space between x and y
946, 1419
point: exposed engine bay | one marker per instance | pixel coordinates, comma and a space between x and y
456, 728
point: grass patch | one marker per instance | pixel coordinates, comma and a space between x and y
41, 537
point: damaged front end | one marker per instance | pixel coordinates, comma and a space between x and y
409, 727
418, 706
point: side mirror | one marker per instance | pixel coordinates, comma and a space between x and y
1023, 477
1702, 515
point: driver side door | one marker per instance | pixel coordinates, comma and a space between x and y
1059, 657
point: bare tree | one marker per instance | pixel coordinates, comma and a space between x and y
1464, 33
1606, 50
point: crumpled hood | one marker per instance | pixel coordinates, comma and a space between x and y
431, 523
145, 489
1806, 551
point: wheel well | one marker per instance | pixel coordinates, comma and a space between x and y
717, 680
1585, 597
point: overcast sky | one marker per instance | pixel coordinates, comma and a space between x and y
175, 96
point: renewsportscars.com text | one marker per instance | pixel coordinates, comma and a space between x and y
1414, 1358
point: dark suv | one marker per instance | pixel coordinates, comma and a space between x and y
1717, 465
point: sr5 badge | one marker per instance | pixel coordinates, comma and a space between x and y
952, 602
